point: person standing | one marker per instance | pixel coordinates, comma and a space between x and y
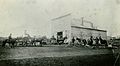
97, 41
73, 40
100, 40
91, 40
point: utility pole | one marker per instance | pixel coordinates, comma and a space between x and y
82, 21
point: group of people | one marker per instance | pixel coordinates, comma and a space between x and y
91, 41
75, 40
65, 40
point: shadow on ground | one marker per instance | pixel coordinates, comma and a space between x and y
93, 60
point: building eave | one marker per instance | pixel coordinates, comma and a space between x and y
61, 17
89, 28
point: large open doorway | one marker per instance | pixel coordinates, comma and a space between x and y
60, 37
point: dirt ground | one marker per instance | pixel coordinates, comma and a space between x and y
55, 55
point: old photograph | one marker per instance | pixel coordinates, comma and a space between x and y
59, 33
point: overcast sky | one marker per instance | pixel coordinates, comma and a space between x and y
35, 15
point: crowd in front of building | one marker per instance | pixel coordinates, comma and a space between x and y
75, 40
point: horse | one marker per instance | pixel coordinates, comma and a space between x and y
103, 42
61, 40
11, 42
90, 42
83, 41
34, 41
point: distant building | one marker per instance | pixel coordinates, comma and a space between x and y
66, 26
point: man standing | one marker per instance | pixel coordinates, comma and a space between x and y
91, 40
100, 39
73, 40
97, 40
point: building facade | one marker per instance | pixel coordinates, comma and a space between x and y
65, 26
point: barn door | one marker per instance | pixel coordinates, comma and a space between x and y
59, 35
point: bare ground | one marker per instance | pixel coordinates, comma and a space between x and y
55, 56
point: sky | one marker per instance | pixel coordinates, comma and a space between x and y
35, 16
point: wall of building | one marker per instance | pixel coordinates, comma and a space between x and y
61, 24
86, 33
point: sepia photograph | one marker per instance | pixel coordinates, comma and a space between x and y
59, 33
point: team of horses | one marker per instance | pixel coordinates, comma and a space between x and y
13, 42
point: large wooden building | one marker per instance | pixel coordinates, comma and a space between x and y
66, 26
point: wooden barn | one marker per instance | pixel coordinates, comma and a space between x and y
66, 26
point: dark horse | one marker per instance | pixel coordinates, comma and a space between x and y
103, 42
11, 42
